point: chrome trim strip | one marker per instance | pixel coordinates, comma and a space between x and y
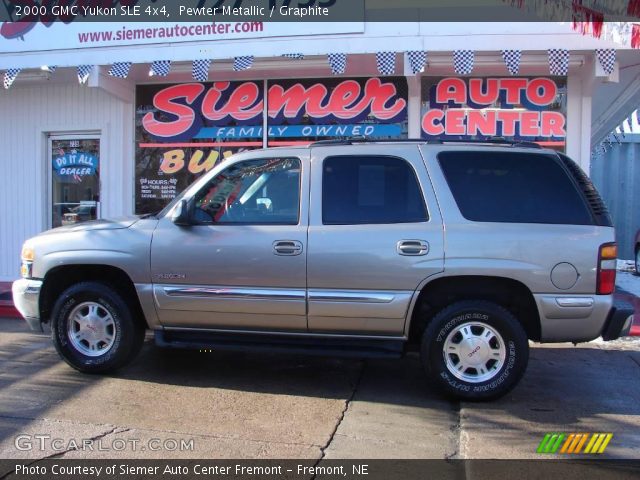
289, 334
235, 293
350, 296
574, 302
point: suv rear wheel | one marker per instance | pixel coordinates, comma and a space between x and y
475, 350
93, 328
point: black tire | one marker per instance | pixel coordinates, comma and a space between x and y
503, 379
637, 260
128, 334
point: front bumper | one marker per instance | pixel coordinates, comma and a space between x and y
26, 296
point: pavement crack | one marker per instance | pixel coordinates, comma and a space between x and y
456, 430
347, 404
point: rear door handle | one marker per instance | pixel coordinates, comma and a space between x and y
416, 248
287, 248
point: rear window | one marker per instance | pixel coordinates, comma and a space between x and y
360, 190
513, 187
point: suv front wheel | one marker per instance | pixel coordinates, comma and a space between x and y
93, 328
475, 350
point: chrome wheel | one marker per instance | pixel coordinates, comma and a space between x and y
91, 329
474, 352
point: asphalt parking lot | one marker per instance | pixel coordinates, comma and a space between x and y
236, 405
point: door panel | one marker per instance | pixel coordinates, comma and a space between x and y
362, 276
230, 275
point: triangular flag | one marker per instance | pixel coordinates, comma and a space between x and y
558, 61
338, 63
512, 60
386, 62
607, 59
200, 70
120, 69
242, 63
463, 61
161, 68
417, 60
83, 73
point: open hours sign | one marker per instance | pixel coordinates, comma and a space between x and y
487, 107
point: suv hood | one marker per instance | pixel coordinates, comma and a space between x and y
106, 224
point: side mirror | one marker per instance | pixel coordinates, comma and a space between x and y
183, 214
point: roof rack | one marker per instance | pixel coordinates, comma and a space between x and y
493, 141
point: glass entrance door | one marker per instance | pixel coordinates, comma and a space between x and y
75, 179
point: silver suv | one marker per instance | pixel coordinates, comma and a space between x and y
463, 252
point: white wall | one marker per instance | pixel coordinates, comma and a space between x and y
28, 113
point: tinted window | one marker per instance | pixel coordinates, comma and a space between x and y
370, 190
513, 187
265, 191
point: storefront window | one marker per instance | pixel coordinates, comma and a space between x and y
183, 131
304, 111
75, 178
514, 108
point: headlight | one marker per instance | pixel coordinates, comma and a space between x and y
27, 254
26, 268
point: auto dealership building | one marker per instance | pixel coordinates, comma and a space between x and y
126, 142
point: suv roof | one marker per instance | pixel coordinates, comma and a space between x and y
490, 142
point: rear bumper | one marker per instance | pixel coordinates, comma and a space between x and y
581, 318
26, 297
618, 323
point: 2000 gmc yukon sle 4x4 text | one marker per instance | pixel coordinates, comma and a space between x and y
463, 251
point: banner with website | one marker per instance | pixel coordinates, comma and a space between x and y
518, 108
184, 130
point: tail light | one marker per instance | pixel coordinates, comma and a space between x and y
606, 282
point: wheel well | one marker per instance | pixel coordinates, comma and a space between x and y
58, 279
509, 293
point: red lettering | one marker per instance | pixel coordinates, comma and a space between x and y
429, 125
379, 95
483, 123
542, 91
513, 87
488, 97
243, 103
451, 89
164, 101
530, 124
509, 118
455, 122
552, 125
293, 100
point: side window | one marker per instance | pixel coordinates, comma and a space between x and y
360, 190
513, 187
260, 192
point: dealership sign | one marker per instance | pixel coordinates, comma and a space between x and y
226, 110
489, 107
76, 164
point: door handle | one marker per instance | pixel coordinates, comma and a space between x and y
287, 248
416, 248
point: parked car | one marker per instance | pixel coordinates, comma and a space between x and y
462, 252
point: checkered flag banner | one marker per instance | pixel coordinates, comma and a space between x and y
512, 60
463, 61
417, 60
294, 56
200, 70
338, 63
386, 62
607, 59
49, 68
242, 63
83, 73
120, 69
10, 76
161, 68
558, 61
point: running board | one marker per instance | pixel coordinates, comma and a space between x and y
274, 343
